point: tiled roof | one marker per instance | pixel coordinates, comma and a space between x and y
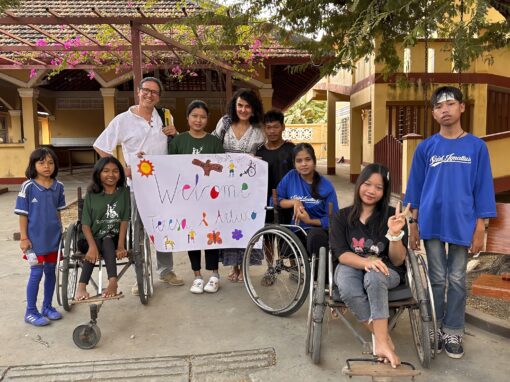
167, 8
106, 8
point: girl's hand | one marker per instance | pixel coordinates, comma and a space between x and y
25, 244
297, 208
398, 221
120, 253
92, 255
373, 263
303, 215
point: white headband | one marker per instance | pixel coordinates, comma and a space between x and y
446, 97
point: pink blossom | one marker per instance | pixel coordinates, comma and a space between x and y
91, 75
41, 42
67, 44
130, 4
193, 74
256, 44
176, 70
33, 73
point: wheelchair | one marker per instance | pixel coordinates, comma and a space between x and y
70, 261
280, 288
415, 296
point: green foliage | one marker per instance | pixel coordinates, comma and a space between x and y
306, 112
344, 31
8, 4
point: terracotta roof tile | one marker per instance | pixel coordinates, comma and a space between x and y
105, 7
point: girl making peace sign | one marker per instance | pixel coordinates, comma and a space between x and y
370, 240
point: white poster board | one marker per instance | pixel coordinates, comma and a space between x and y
205, 201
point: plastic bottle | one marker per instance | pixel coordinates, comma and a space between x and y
31, 257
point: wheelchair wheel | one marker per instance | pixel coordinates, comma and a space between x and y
420, 315
86, 336
319, 308
143, 263
308, 345
60, 262
69, 267
276, 270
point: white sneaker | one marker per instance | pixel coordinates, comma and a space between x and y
197, 286
212, 285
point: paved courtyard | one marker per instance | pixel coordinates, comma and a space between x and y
183, 337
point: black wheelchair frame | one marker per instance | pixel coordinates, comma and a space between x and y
70, 262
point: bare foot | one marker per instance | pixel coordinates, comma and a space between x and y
384, 351
81, 292
390, 343
111, 289
234, 275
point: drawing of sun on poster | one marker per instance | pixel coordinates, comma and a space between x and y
191, 202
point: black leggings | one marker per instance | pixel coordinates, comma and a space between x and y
106, 247
212, 258
316, 238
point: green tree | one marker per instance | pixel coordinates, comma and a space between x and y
6, 4
341, 32
306, 112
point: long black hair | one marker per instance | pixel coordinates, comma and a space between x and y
252, 98
38, 155
316, 176
96, 186
380, 212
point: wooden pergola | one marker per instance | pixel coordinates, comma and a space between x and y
20, 32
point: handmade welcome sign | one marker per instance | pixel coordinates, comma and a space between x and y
191, 202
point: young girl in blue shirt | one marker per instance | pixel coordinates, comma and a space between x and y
38, 205
308, 193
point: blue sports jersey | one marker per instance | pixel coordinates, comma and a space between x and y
292, 186
41, 206
451, 184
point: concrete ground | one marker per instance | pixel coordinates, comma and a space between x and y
183, 337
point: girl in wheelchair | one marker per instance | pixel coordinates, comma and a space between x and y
105, 218
308, 193
369, 239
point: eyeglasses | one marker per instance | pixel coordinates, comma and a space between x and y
147, 91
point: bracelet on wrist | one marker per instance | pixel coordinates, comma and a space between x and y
412, 220
391, 237
23, 239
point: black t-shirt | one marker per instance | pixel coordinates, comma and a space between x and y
363, 239
279, 163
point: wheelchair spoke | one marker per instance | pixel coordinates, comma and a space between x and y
276, 270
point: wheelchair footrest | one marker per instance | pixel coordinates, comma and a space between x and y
96, 299
370, 367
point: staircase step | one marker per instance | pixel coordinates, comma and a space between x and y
491, 286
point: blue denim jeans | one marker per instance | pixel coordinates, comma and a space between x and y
447, 272
365, 293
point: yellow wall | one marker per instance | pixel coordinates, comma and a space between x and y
13, 160
77, 123
498, 151
318, 139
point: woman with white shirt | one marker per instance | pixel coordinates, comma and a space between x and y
240, 130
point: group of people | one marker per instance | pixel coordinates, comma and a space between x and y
450, 185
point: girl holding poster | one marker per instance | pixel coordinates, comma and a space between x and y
198, 141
